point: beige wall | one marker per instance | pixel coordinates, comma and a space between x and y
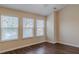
69, 25
56, 26
50, 28
10, 45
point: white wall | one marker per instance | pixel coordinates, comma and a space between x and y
50, 28
69, 25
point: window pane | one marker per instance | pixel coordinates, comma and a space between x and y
9, 28
28, 22
40, 32
40, 23
9, 34
8, 21
27, 33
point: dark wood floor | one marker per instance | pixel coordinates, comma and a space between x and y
46, 48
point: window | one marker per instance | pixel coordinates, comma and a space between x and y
40, 27
28, 26
9, 28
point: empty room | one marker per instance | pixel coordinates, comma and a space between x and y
39, 29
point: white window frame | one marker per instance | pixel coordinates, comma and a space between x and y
1, 31
28, 28
43, 28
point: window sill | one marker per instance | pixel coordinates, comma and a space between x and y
28, 38
2, 41
39, 36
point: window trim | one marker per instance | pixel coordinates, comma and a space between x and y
0, 27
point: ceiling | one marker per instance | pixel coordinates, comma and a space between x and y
41, 9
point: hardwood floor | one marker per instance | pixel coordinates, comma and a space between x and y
46, 48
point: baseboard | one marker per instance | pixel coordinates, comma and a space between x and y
69, 44
53, 42
21, 47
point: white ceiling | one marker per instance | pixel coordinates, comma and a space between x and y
41, 9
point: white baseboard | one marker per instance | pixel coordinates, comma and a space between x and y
53, 42
69, 44
20, 47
